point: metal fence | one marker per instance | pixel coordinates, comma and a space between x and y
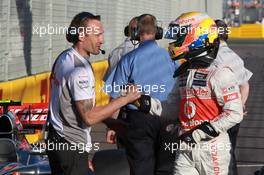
32, 31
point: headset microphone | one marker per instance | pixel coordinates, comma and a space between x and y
102, 51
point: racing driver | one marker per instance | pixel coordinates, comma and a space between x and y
206, 101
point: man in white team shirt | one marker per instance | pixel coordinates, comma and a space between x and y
228, 57
71, 108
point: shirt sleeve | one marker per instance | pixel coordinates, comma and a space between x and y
244, 76
229, 58
81, 85
226, 90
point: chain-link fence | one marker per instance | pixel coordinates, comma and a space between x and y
32, 32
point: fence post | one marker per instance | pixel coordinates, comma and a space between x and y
50, 36
7, 54
65, 22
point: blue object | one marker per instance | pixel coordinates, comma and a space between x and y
148, 66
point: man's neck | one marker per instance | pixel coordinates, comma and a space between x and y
81, 51
146, 37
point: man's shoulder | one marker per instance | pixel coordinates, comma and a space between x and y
150, 48
125, 44
79, 72
65, 56
227, 56
228, 52
223, 74
64, 62
132, 54
144, 52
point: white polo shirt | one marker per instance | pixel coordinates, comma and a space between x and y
228, 57
73, 80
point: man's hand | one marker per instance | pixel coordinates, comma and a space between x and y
203, 132
245, 110
132, 93
111, 136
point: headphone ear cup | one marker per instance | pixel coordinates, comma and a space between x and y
159, 33
126, 31
135, 34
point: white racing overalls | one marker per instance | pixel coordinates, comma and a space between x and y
212, 95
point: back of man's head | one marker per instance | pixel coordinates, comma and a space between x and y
222, 30
147, 24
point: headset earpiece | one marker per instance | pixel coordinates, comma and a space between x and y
135, 34
126, 31
159, 33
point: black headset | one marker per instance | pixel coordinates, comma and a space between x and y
126, 31
73, 37
135, 32
223, 35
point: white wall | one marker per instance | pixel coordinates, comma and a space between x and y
17, 15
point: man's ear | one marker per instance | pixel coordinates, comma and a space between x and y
81, 36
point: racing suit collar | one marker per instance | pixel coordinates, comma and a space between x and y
198, 59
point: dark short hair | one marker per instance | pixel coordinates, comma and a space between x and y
224, 33
147, 24
77, 22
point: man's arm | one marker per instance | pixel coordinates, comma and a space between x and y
92, 115
228, 96
244, 90
82, 92
168, 108
242, 74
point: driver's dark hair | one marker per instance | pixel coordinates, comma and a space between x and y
77, 22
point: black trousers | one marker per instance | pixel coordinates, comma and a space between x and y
165, 157
233, 132
144, 141
66, 161
140, 141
